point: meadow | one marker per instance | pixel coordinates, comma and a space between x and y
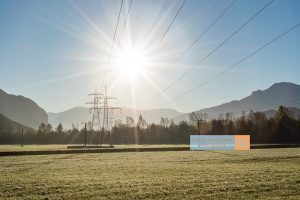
254, 174
55, 147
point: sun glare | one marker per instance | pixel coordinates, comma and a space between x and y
131, 63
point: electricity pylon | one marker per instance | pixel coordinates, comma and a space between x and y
107, 117
96, 120
101, 104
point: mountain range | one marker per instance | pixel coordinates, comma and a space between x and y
284, 93
22, 110
78, 115
9, 126
26, 112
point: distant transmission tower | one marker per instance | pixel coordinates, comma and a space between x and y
107, 117
96, 120
101, 104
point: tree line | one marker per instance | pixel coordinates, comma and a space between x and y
283, 127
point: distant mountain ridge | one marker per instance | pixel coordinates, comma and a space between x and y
25, 111
10, 126
22, 110
68, 117
78, 115
284, 93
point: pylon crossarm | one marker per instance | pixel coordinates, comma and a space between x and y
96, 94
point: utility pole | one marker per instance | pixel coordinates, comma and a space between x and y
22, 135
198, 123
85, 134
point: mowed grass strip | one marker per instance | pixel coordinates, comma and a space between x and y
61, 147
255, 174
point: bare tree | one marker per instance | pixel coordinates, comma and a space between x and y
129, 121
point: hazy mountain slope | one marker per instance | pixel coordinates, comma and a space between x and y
21, 110
9, 126
151, 116
81, 114
287, 94
72, 116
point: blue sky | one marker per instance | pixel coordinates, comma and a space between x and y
55, 52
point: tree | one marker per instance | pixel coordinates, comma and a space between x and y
282, 112
204, 116
241, 126
49, 128
228, 116
141, 122
129, 121
118, 122
172, 123
194, 117
42, 128
230, 128
164, 122
257, 123
59, 128
285, 124
167, 121
217, 127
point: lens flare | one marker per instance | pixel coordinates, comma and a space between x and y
131, 63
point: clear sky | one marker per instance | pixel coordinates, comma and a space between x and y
56, 52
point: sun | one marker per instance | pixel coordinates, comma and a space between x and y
131, 63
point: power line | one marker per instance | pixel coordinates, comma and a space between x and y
125, 22
147, 15
201, 35
194, 41
215, 49
143, 24
208, 28
124, 25
235, 64
173, 20
167, 30
112, 45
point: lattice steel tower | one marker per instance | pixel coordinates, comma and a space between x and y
101, 104
96, 119
107, 117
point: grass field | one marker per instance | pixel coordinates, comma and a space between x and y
8, 148
255, 174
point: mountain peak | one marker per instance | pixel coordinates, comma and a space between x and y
283, 85
257, 92
283, 93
